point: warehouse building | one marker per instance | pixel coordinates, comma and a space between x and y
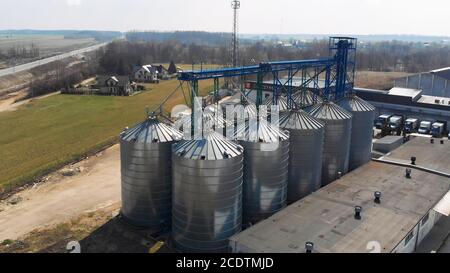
433, 83
407, 102
346, 216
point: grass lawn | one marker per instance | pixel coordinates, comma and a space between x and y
49, 133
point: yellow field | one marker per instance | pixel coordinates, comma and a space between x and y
49, 133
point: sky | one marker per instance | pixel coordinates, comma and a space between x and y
430, 17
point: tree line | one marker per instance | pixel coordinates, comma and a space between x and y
20, 52
120, 57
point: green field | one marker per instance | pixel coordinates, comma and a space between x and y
49, 133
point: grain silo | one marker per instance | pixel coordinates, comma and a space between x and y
336, 151
146, 173
362, 130
266, 160
207, 193
304, 99
282, 103
305, 155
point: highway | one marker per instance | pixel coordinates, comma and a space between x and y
28, 66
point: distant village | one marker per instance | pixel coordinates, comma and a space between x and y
126, 85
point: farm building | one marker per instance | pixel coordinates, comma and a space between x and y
433, 83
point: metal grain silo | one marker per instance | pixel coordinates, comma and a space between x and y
336, 149
146, 173
266, 160
282, 103
207, 193
303, 99
305, 156
362, 130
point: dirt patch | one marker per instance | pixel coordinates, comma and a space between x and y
57, 198
101, 231
377, 80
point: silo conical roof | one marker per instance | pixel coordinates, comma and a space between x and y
299, 120
150, 131
282, 102
356, 104
306, 98
329, 110
212, 147
262, 132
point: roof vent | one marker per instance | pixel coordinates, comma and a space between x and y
377, 197
408, 173
358, 211
413, 160
309, 246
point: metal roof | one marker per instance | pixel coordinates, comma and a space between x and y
329, 110
282, 102
299, 120
306, 98
326, 217
434, 100
150, 131
443, 73
213, 147
356, 104
262, 132
405, 92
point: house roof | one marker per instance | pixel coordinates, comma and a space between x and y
121, 80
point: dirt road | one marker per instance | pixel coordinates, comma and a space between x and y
89, 185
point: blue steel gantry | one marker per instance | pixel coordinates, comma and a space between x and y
337, 72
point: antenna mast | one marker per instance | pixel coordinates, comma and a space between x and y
235, 5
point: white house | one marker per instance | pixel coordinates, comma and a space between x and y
146, 73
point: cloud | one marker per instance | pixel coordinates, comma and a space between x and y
73, 3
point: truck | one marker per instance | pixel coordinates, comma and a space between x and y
396, 124
437, 129
425, 127
411, 125
382, 121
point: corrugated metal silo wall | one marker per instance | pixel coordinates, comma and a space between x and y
336, 149
146, 183
207, 203
305, 167
265, 180
362, 131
